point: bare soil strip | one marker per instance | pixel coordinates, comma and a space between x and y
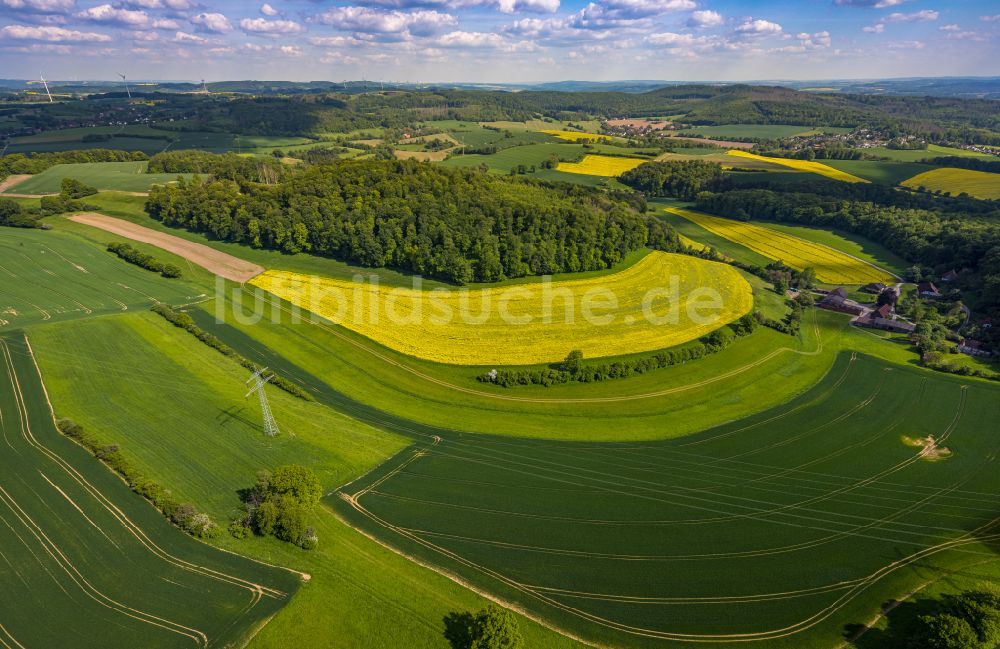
10, 181
213, 260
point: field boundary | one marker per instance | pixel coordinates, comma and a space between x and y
212, 260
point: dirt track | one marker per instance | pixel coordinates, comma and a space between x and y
220, 263
10, 181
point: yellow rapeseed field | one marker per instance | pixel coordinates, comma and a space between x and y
980, 184
600, 165
832, 266
802, 165
532, 323
573, 136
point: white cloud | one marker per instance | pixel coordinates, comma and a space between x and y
759, 27
906, 45
375, 21
173, 5
531, 6
165, 23
809, 43
268, 10
705, 19
114, 16
877, 28
483, 40
185, 37
290, 50
877, 4
917, 16
950, 28
40, 6
50, 34
990, 19
265, 27
144, 36
212, 22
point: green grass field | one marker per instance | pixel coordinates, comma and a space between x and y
505, 160
148, 139
783, 527
932, 151
54, 276
885, 173
87, 562
120, 176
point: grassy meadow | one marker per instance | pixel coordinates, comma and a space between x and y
115, 176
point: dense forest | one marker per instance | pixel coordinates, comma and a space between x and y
682, 179
458, 225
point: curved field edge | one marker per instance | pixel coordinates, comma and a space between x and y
99, 557
605, 316
118, 375
883, 521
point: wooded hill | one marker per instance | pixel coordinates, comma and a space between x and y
457, 225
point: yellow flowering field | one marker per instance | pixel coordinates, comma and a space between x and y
659, 302
832, 266
980, 184
573, 136
600, 165
801, 165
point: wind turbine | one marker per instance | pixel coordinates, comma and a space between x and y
45, 83
122, 75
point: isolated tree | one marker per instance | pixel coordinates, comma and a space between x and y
73, 188
946, 631
573, 361
495, 628
298, 481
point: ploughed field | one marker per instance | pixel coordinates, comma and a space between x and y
781, 528
518, 325
87, 563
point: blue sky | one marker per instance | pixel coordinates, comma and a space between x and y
498, 40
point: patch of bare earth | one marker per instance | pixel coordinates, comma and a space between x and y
10, 181
930, 449
215, 261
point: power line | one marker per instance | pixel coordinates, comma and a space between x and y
270, 425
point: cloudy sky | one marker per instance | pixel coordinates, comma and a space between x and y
498, 40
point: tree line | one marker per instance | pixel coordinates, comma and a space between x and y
458, 225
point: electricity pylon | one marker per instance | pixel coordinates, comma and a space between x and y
270, 425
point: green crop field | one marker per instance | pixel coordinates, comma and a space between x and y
886, 173
81, 554
148, 139
54, 276
212, 445
120, 176
507, 159
782, 527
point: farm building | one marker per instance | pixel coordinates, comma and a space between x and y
950, 276
927, 289
882, 318
836, 300
973, 348
874, 288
